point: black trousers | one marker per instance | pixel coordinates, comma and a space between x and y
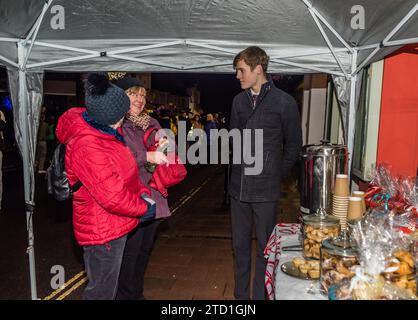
135, 259
102, 263
242, 216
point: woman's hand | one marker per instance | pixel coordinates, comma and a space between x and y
156, 157
162, 142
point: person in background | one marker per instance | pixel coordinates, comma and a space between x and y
41, 147
254, 196
111, 201
196, 123
2, 147
209, 125
217, 121
51, 140
165, 119
140, 240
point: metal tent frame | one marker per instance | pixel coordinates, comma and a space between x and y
25, 69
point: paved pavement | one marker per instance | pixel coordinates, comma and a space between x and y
192, 256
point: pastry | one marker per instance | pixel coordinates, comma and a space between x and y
298, 261
313, 273
304, 268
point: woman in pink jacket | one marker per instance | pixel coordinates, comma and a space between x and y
141, 240
111, 201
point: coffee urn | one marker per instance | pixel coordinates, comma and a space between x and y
320, 163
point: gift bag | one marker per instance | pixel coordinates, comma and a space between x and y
165, 176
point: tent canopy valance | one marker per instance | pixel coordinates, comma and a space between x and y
183, 35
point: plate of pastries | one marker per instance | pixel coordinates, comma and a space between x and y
302, 268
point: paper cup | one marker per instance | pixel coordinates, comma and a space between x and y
341, 187
355, 208
361, 195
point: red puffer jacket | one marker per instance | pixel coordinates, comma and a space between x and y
108, 204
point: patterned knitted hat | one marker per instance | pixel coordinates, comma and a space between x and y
105, 102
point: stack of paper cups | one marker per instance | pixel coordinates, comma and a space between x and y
340, 199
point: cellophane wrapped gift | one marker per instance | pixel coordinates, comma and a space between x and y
383, 251
393, 193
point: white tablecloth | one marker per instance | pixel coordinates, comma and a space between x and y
281, 286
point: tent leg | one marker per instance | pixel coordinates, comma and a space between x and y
23, 102
351, 117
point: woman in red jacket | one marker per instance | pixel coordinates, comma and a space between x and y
111, 201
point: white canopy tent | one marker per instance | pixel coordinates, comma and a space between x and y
300, 36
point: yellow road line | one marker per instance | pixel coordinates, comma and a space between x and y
73, 288
190, 196
53, 294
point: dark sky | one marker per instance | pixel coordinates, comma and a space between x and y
216, 90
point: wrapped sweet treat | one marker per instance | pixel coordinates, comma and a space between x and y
338, 260
390, 193
383, 251
382, 187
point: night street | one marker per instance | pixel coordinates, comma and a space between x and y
54, 239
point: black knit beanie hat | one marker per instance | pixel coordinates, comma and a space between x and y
129, 82
105, 103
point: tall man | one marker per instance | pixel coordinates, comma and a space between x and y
254, 197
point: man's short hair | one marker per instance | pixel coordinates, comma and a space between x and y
253, 56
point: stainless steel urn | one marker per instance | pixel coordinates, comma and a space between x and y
319, 166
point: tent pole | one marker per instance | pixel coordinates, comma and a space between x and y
9, 61
305, 66
324, 21
371, 55
37, 26
144, 61
308, 53
59, 46
400, 24
318, 24
233, 52
352, 111
29, 205
38, 22
41, 64
220, 64
386, 41
9, 39
151, 46
209, 46
401, 42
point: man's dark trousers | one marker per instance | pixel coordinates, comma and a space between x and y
242, 215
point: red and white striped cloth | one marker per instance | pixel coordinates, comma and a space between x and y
273, 251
